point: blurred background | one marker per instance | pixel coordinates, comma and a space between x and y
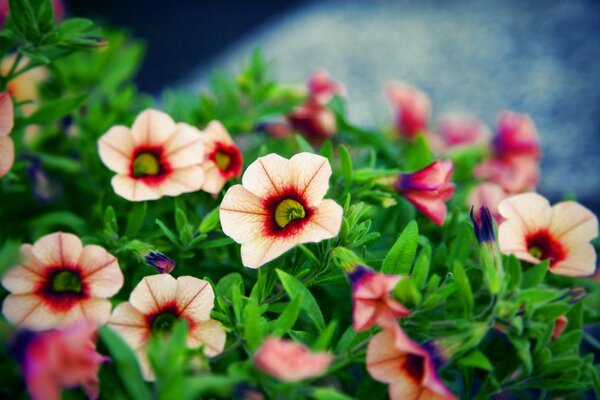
473, 56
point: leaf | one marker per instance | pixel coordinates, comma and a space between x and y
522, 346
463, 290
136, 218
324, 340
328, 394
168, 232
293, 288
407, 293
346, 167
417, 154
533, 276
288, 317
210, 221
225, 285
566, 343
54, 110
73, 26
420, 272
533, 296
303, 145
476, 359
253, 332
400, 257
110, 219
214, 243
513, 269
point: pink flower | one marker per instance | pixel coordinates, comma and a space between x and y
514, 174
322, 88
154, 306
155, 158
428, 189
314, 120
278, 205
456, 130
410, 369
488, 195
223, 160
560, 324
516, 135
7, 147
289, 361
534, 231
371, 299
60, 282
59, 359
412, 108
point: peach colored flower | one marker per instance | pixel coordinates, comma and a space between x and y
155, 158
289, 361
516, 135
488, 195
60, 282
534, 231
412, 108
7, 147
25, 86
371, 299
156, 303
278, 205
222, 160
515, 174
322, 88
560, 325
314, 121
428, 189
410, 369
59, 359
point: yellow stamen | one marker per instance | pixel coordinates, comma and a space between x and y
145, 164
287, 211
222, 160
536, 252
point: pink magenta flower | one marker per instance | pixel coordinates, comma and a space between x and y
409, 369
154, 306
322, 88
289, 361
514, 174
155, 158
278, 205
412, 108
371, 299
60, 282
222, 161
64, 358
534, 231
487, 195
314, 120
456, 131
428, 189
516, 135
7, 147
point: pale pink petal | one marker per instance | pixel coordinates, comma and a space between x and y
365, 313
511, 240
312, 176
93, 309
101, 271
20, 280
195, 298
530, 210
216, 132
210, 334
116, 149
268, 175
406, 388
573, 223
429, 203
488, 195
28, 310
133, 189
213, 179
130, 324
384, 360
263, 249
182, 180
6, 115
7, 155
184, 147
152, 127
324, 224
580, 261
153, 292
58, 249
242, 214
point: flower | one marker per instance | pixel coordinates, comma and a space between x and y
487, 195
24, 87
7, 147
156, 303
513, 174
457, 130
322, 88
160, 262
278, 205
428, 189
313, 120
560, 324
222, 160
371, 299
483, 225
410, 369
60, 282
59, 359
289, 361
155, 158
412, 108
516, 135
534, 231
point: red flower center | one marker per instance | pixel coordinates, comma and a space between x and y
63, 288
149, 164
414, 364
228, 158
288, 213
543, 246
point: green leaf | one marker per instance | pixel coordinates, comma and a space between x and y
168, 232
110, 219
533, 276
293, 288
136, 218
72, 26
533, 296
549, 312
476, 359
288, 317
210, 221
303, 145
417, 154
346, 167
324, 340
463, 290
566, 343
407, 293
420, 272
400, 257
214, 243
328, 394
253, 332
54, 110
514, 273
522, 346
225, 285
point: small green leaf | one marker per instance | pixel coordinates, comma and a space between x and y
54, 110
420, 272
476, 359
407, 293
533, 276
328, 394
522, 346
253, 332
463, 289
417, 154
136, 219
400, 257
110, 219
73, 26
293, 288
210, 221
514, 273
303, 145
288, 317
346, 167
324, 340
168, 232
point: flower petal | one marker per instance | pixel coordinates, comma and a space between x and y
20, 280
58, 249
133, 189
94, 309
101, 271
6, 115
242, 214
195, 298
268, 175
213, 179
216, 132
210, 334
153, 292
130, 324
530, 210
27, 310
152, 127
7, 155
511, 240
312, 176
261, 250
384, 360
429, 203
116, 148
324, 224
184, 147
580, 261
182, 180
406, 388
572, 222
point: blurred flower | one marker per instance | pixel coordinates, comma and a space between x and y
560, 324
412, 108
487, 195
60, 282
371, 299
516, 135
289, 361
7, 147
44, 188
277, 129
457, 130
314, 120
322, 88
278, 205
154, 306
410, 369
513, 174
160, 262
428, 189
155, 158
60, 359
223, 160
534, 231
244, 391
483, 225
24, 87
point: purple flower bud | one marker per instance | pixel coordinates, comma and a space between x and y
162, 263
483, 225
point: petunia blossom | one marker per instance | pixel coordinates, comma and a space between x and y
409, 369
516, 135
60, 359
371, 299
534, 231
155, 158
314, 121
154, 306
222, 160
322, 88
514, 174
59, 282
428, 189
457, 131
289, 361
7, 147
411, 107
279, 205
487, 195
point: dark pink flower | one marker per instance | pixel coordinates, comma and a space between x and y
412, 109
322, 88
514, 174
455, 131
516, 135
314, 121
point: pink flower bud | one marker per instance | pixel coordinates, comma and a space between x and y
412, 109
